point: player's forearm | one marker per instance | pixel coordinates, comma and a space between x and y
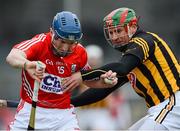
96, 73
99, 84
16, 58
93, 95
93, 84
122, 68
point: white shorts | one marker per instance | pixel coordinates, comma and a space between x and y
164, 116
46, 119
95, 119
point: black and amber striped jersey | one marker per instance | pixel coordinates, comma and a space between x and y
158, 75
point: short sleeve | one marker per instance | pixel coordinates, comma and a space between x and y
32, 46
84, 65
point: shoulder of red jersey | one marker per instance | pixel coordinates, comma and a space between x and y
36, 40
80, 49
82, 53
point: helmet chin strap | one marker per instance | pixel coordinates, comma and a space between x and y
55, 51
58, 53
52, 36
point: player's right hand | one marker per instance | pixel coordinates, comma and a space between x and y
31, 68
110, 78
3, 103
72, 82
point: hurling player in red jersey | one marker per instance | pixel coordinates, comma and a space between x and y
63, 55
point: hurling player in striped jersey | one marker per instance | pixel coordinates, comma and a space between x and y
147, 62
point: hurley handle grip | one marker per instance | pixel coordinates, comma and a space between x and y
39, 66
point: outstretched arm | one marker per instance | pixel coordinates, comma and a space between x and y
93, 95
107, 80
122, 68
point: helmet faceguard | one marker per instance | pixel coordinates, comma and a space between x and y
107, 33
60, 53
116, 20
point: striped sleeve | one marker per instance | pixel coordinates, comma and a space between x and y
31, 46
140, 47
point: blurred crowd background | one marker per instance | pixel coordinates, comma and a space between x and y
20, 20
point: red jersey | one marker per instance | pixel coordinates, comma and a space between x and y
39, 48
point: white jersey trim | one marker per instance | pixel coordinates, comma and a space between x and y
27, 86
27, 44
